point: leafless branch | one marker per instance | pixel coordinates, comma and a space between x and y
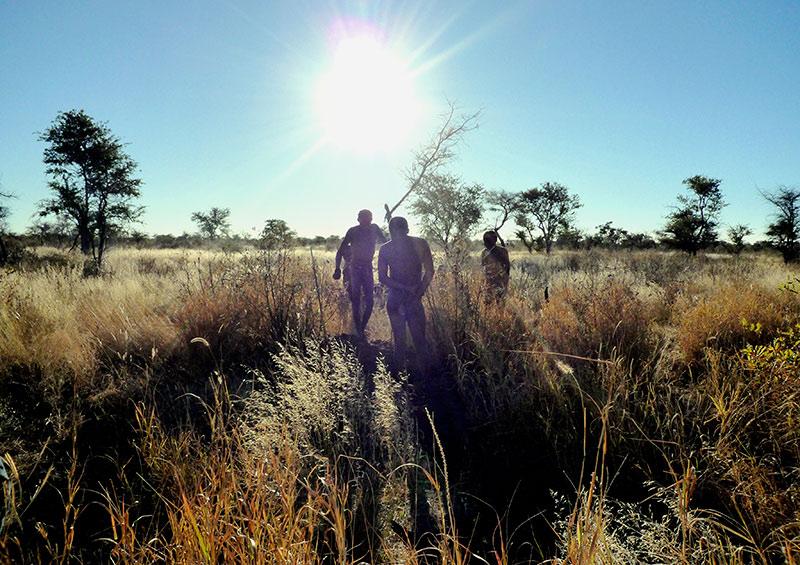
439, 151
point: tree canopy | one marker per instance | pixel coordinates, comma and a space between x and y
784, 231
214, 223
692, 226
502, 205
546, 210
737, 234
92, 179
276, 234
4, 212
439, 151
448, 210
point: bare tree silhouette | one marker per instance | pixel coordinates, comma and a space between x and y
438, 151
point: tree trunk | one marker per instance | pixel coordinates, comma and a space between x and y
86, 239
3, 252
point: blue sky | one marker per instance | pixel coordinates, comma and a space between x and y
619, 101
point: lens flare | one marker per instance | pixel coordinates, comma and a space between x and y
366, 100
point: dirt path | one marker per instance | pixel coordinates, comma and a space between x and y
441, 425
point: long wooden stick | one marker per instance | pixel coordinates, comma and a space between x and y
560, 355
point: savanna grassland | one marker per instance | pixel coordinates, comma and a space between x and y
200, 407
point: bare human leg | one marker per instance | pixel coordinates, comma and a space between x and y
416, 325
355, 301
398, 321
369, 301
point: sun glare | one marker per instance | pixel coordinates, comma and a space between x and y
366, 100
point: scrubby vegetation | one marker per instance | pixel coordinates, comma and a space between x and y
198, 407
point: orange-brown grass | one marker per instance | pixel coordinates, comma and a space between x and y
748, 458
315, 458
603, 320
314, 476
715, 318
220, 503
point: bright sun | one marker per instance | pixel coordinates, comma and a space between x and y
366, 100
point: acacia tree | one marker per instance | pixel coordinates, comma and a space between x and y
608, 236
546, 210
276, 234
214, 223
693, 224
448, 210
92, 178
638, 241
502, 205
56, 233
784, 231
737, 234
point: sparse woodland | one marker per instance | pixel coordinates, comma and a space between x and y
189, 406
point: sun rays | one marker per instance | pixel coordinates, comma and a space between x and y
369, 97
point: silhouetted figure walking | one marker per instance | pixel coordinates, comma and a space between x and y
496, 265
359, 243
405, 267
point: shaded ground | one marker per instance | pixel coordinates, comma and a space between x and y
496, 484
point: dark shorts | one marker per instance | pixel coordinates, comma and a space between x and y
361, 280
402, 303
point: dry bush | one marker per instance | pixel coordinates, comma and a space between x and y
243, 305
62, 334
38, 329
599, 320
322, 394
753, 455
488, 345
715, 319
305, 475
218, 503
600, 529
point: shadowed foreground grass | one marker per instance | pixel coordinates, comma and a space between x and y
193, 407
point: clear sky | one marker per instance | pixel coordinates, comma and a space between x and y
225, 104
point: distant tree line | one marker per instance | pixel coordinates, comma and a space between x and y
94, 190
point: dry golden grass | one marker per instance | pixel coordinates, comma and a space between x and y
714, 318
604, 320
256, 437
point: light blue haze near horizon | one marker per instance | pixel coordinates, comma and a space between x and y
618, 101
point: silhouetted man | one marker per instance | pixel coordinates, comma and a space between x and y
405, 267
496, 265
360, 240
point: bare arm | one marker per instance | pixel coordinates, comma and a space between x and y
383, 272
505, 261
340, 251
427, 265
379, 232
383, 268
